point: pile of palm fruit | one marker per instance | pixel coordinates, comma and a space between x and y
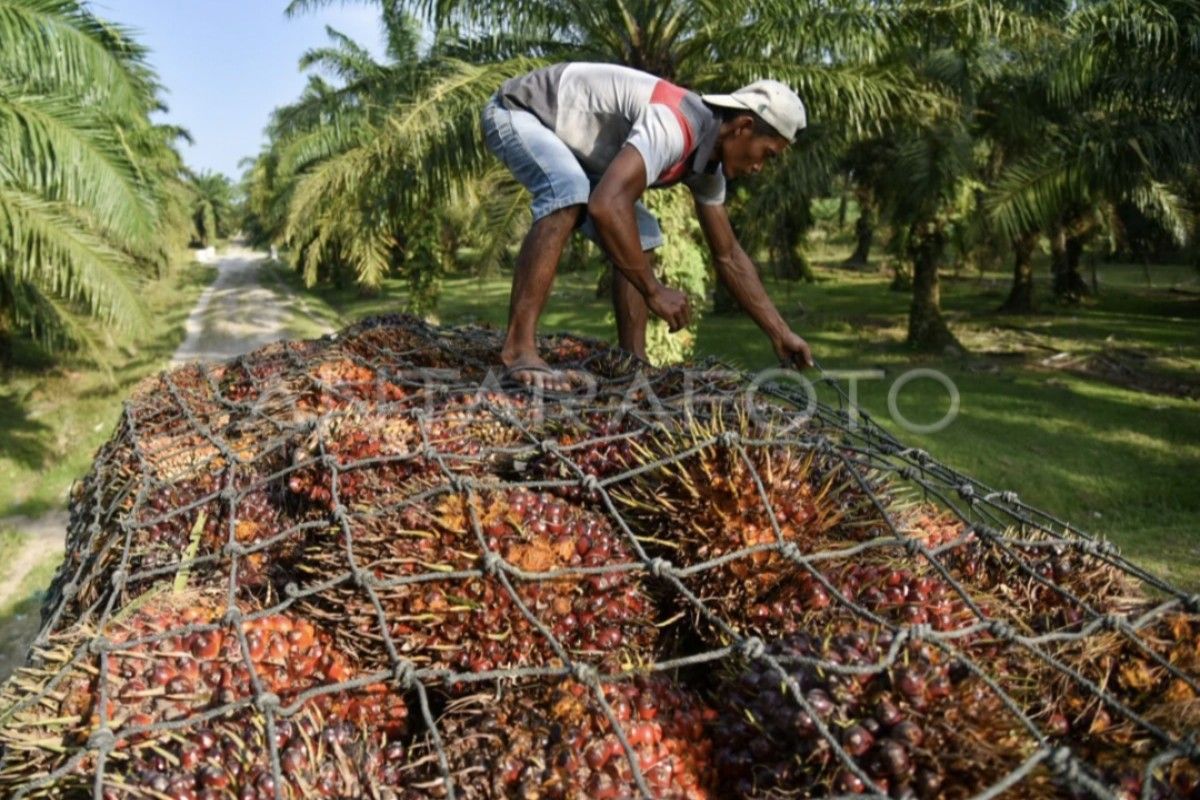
364, 566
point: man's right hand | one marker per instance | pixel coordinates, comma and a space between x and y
671, 305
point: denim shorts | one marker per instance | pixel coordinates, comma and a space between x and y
549, 170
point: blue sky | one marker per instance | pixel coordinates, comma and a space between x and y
227, 63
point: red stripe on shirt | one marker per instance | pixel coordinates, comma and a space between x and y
671, 96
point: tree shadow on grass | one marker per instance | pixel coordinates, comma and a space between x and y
22, 439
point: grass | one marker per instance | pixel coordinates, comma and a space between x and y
55, 414
20, 611
1111, 459
28, 595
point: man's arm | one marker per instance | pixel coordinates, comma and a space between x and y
611, 210
737, 271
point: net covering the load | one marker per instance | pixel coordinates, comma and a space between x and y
370, 566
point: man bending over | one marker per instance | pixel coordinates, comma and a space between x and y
587, 140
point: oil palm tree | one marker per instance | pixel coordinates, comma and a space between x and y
82, 172
1123, 95
212, 207
929, 167
355, 230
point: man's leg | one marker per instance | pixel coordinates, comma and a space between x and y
632, 312
629, 304
537, 263
546, 167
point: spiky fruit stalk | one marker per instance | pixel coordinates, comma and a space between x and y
737, 499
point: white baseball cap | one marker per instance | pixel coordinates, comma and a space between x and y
774, 102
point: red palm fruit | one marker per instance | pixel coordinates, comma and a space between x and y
765, 737
475, 623
558, 743
912, 683
857, 740
909, 733
849, 783
892, 756
213, 755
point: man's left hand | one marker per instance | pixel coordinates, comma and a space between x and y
793, 351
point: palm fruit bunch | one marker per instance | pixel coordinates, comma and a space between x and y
162, 672
596, 446
559, 741
195, 518
365, 566
919, 721
473, 620
384, 458
1149, 670
914, 727
1040, 586
735, 498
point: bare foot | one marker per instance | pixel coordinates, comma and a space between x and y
532, 370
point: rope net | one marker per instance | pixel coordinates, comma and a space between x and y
365, 567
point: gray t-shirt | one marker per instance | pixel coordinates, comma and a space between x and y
596, 109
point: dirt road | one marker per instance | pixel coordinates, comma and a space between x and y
238, 313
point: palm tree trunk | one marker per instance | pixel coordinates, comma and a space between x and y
927, 329
1020, 297
1065, 252
864, 229
786, 255
1075, 280
6, 342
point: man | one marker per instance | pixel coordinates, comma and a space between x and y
587, 140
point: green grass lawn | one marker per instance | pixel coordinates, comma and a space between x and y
55, 414
1110, 459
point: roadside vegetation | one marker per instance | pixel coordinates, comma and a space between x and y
56, 409
94, 197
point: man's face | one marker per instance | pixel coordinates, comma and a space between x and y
745, 152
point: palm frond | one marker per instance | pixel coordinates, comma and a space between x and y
54, 147
57, 46
1163, 204
502, 215
49, 249
90, 189
863, 98
1032, 192
344, 132
345, 58
297, 7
